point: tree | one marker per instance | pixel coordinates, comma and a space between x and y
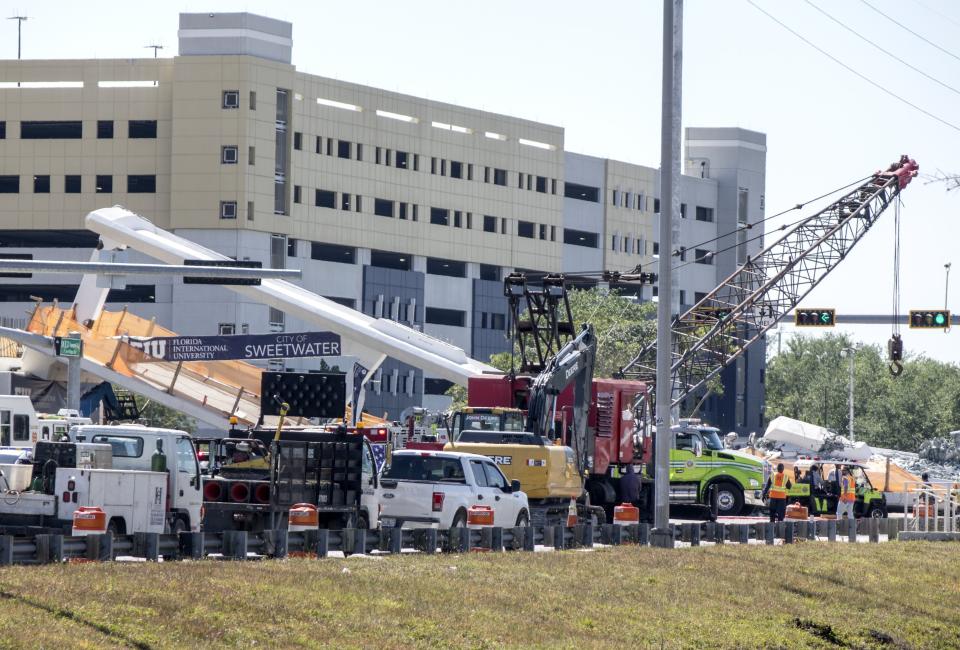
622, 326
809, 381
158, 415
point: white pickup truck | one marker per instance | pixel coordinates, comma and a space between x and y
424, 489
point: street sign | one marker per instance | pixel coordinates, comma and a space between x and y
245, 347
249, 264
929, 319
815, 317
67, 347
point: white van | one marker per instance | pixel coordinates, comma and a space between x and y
19, 425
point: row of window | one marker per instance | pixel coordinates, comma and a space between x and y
66, 293
73, 184
411, 161
638, 201
531, 230
73, 129
391, 260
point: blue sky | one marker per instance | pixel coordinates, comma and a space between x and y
594, 68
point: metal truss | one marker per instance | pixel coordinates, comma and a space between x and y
541, 322
719, 328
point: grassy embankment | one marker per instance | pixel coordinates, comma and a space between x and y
899, 595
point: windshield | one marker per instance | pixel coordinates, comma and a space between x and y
711, 440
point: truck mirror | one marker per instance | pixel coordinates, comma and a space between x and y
514, 485
698, 447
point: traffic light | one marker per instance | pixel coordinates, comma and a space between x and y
929, 318
815, 317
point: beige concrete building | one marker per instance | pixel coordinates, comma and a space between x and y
402, 207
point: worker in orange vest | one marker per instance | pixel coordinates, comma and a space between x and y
776, 490
848, 494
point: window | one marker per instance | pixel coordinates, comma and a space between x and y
298, 140
231, 99
743, 201
457, 219
359, 151
358, 205
498, 321
543, 231
51, 130
21, 428
9, 184
142, 129
470, 172
525, 229
291, 247
581, 192
333, 253
329, 146
413, 213
104, 184
41, 184
426, 468
456, 169
344, 201
656, 206
500, 177
503, 226
452, 317
616, 198
553, 233
489, 223
520, 180
403, 211
228, 154
141, 184
580, 238
542, 184
253, 100
436, 386
683, 297
71, 184
3, 130
683, 210
656, 248
387, 157
416, 162
123, 446
228, 209
104, 129
297, 193
402, 159
439, 216
704, 214
489, 272
226, 329
452, 268
249, 210
703, 256
683, 253
343, 149
383, 208
390, 260
187, 460
251, 155
698, 296
495, 477
325, 199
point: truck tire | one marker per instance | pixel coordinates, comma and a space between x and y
179, 525
877, 512
362, 522
116, 526
729, 499
459, 519
523, 519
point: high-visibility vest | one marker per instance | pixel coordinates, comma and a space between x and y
849, 492
778, 486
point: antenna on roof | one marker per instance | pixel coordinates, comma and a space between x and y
155, 49
19, 20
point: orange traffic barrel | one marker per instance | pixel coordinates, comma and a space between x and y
626, 514
480, 516
89, 520
303, 516
572, 514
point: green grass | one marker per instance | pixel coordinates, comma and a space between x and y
897, 595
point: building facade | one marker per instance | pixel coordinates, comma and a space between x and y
402, 207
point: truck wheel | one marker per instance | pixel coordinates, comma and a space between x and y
460, 519
362, 522
116, 527
878, 512
729, 500
179, 526
523, 519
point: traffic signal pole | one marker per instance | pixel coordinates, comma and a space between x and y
670, 202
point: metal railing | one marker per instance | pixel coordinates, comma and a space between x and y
931, 506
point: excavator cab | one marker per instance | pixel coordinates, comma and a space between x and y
474, 419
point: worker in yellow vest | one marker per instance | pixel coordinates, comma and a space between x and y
776, 490
848, 494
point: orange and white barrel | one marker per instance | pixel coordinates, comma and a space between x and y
572, 514
303, 516
89, 520
626, 514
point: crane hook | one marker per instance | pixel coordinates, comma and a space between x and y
896, 368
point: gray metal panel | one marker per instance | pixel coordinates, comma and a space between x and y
240, 33
488, 298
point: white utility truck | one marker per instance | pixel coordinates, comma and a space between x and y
424, 489
132, 447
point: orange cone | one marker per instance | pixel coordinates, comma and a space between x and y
572, 514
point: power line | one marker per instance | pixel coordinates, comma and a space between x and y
862, 76
939, 13
882, 49
904, 27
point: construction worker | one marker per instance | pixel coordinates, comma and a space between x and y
776, 490
629, 486
848, 494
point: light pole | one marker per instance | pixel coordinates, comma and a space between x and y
19, 20
850, 352
946, 286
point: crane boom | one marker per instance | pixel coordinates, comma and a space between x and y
721, 326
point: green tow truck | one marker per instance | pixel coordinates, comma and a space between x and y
699, 462
870, 502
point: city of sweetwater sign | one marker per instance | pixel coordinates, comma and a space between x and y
241, 346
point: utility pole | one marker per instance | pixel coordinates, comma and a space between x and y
670, 205
19, 20
850, 352
946, 286
73, 374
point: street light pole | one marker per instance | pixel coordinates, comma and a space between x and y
19, 20
946, 286
850, 352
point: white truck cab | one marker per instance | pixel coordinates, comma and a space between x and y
133, 447
19, 423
